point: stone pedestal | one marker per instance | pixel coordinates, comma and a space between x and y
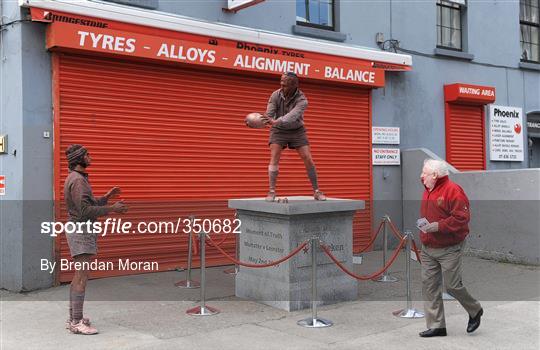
272, 230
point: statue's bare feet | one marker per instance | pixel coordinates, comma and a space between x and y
319, 196
271, 196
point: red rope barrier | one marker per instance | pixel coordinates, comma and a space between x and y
372, 239
258, 266
400, 236
358, 277
395, 231
225, 236
195, 243
416, 251
222, 240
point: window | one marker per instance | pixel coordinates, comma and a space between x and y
529, 20
449, 26
315, 13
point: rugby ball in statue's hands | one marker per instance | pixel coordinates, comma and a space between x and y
255, 121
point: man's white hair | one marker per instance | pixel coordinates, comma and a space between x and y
439, 167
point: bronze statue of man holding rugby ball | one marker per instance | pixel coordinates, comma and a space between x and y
285, 116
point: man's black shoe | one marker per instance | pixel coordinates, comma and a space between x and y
433, 332
474, 322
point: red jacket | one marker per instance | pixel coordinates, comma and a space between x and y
447, 204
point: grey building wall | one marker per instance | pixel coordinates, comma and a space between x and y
505, 208
416, 98
25, 114
10, 165
37, 156
412, 100
275, 16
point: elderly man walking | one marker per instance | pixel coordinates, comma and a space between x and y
445, 216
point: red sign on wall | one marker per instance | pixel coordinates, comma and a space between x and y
472, 94
92, 35
2, 185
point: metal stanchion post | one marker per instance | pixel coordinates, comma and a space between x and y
203, 309
188, 282
385, 277
314, 321
409, 312
235, 269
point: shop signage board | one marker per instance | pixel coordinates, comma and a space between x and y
506, 133
86, 34
467, 93
386, 156
533, 125
385, 135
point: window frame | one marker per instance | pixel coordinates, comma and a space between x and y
529, 24
320, 26
459, 7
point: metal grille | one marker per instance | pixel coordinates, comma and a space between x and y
174, 140
465, 137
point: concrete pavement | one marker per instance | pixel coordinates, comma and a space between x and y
148, 312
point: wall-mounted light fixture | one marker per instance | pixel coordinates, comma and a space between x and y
379, 38
237, 5
3, 144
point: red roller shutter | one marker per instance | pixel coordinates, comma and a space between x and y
173, 139
465, 140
